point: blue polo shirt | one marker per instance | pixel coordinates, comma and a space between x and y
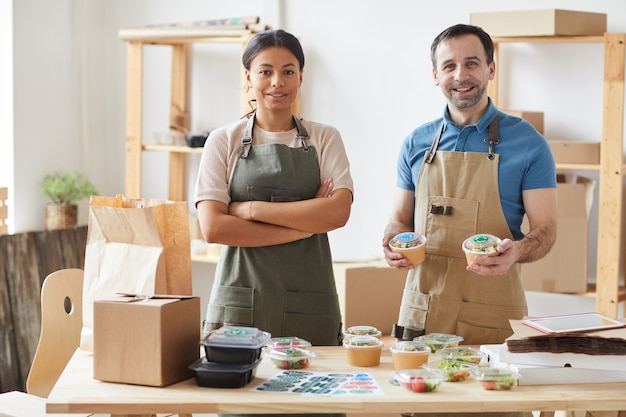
526, 162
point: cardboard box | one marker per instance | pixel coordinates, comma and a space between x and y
564, 269
548, 22
146, 342
369, 293
574, 152
535, 118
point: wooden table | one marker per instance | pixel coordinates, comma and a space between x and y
77, 392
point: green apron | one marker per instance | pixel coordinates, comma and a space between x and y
289, 289
457, 196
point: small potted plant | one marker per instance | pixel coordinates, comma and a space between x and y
65, 190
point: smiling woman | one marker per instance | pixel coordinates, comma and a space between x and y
265, 188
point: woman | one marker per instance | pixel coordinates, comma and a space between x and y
270, 186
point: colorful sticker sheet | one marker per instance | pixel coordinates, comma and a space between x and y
320, 383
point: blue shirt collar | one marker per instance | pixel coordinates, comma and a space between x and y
483, 124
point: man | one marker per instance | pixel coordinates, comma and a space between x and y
475, 170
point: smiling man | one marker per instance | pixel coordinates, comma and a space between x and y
474, 170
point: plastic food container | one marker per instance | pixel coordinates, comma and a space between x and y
223, 375
411, 245
290, 358
363, 350
496, 379
288, 342
362, 331
452, 371
418, 380
436, 341
482, 244
235, 345
409, 355
462, 354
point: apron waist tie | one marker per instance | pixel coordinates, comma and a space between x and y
405, 333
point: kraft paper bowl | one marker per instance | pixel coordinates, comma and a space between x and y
409, 355
411, 245
363, 350
482, 244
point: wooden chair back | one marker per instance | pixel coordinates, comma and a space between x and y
61, 324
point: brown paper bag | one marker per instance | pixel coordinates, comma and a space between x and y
134, 246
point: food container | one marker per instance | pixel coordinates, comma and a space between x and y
418, 380
436, 341
363, 350
482, 244
235, 345
462, 354
409, 355
496, 379
362, 331
411, 245
288, 342
223, 375
452, 371
290, 358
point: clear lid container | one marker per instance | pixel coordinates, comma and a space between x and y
482, 243
436, 341
418, 380
291, 358
362, 342
362, 331
461, 354
407, 240
496, 379
237, 337
288, 342
409, 346
452, 371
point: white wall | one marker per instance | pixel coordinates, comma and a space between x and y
367, 73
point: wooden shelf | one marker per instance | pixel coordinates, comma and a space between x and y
611, 169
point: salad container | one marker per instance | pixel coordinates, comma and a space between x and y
288, 342
235, 345
483, 244
452, 371
409, 355
290, 358
362, 331
223, 375
496, 379
462, 354
437, 341
418, 380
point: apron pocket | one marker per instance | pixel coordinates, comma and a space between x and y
275, 195
413, 310
453, 228
231, 305
314, 317
481, 324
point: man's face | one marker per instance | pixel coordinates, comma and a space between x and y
462, 71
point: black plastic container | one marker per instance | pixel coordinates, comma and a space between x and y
235, 345
223, 375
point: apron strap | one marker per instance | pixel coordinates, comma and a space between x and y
491, 141
246, 140
493, 138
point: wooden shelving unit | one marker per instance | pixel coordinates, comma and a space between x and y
607, 290
179, 113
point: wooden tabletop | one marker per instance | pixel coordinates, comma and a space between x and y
77, 392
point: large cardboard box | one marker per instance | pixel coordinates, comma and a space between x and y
564, 269
146, 341
369, 293
535, 118
548, 22
575, 152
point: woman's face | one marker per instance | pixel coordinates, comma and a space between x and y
275, 77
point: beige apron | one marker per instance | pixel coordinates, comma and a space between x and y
457, 196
